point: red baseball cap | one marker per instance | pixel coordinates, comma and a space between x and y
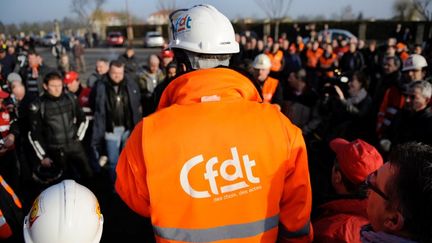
3, 94
70, 77
167, 53
357, 159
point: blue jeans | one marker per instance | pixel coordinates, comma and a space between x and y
115, 141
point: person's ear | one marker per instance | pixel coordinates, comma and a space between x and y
337, 176
394, 221
182, 68
45, 86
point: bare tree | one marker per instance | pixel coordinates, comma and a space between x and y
276, 10
85, 8
424, 8
400, 7
167, 5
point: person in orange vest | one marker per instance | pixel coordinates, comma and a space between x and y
276, 57
11, 215
214, 163
327, 62
271, 91
401, 50
313, 55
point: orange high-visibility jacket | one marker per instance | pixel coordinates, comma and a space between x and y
269, 88
313, 57
276, 60
393, 101
213, 164
5, 228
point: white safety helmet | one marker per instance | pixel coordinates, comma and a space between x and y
262, 61
414, 62
64, 213
202, 29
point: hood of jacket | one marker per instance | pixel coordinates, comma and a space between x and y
208, 85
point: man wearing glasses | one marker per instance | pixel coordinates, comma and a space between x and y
400, 197
340, 220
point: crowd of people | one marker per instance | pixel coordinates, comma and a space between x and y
340, 108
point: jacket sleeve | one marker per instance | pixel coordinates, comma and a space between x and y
81, 120
381, 114
98, 131
35, 135
278, 95
296, 201
131, 181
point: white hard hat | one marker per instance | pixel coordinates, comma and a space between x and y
262, 61
414, 62
202, 29
64, 213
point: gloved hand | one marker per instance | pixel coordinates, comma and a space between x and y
103, 160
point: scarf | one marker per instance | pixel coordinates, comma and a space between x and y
354, 100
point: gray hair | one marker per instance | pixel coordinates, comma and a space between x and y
424, 86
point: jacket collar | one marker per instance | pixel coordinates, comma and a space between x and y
208, 85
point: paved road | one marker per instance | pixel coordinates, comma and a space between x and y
92, 54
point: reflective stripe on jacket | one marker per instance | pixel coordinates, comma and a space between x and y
214, 164
269, 88
5, 228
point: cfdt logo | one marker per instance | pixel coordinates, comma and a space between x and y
235, 173
183, 23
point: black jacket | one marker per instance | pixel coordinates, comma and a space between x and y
101, 104
55, 122
412, 126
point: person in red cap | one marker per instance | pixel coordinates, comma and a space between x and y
71, 80
167, 56
340, 220
74, 86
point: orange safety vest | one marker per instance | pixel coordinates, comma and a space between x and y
313, 56
5, 229
326, 64
214, 164
392, 103
269, 88
404, 56
276, 60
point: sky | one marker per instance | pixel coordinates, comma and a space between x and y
18, 11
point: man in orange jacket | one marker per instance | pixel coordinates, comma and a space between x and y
270, 89
213, 163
